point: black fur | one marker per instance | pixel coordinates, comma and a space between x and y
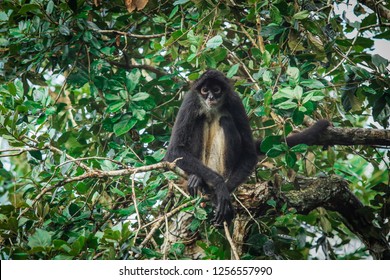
240, 153
308, 136
187, 143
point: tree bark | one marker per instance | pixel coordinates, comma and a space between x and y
332, 193
354, 136
322, 133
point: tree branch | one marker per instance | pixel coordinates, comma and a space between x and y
128, 34
329, 136
377, 7
94, 173
332, 193
128, 66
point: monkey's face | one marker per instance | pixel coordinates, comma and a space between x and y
211, 94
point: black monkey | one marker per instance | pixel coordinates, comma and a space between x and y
213, 137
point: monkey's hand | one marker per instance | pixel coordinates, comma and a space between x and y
224, 209
194, 184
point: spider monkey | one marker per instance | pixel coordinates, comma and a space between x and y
213, 138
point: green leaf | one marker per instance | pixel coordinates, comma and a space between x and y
268, 142
140, 96
200, 213
267, 77
116, 106
313, 84
124, 125
50, 7
286, 105
314, 95
147, 138
274, 152
276, 17
233, 70
139, 114
219, 54
194, 40
180, 2
92, 25
159, 155
325, 224
271, 202
298, 92
41, 238
50, 111
177, 249
132, 79
149, 253
300, 148
284, 93
293, 72
191, 57
385, 35
214, 42
291, 159
301, 15
28, 8
112, 97
64, 30
380, 62
271, 30
4, 16
173, 13
298, 117
36, 154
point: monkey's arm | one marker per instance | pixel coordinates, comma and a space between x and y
247, 158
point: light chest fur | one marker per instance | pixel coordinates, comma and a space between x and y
214, 146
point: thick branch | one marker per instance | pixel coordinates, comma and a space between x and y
332, 193
355, 136
341, 136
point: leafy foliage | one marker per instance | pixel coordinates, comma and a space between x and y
88, 86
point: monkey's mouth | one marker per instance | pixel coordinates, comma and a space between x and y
211, 103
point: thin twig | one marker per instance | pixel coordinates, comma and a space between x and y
260, 39
18, 150
345, 57
246, 210
231, 242
134, 198
103, 174
160, 220
132, 35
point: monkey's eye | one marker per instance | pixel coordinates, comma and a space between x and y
216, 90
204, 90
